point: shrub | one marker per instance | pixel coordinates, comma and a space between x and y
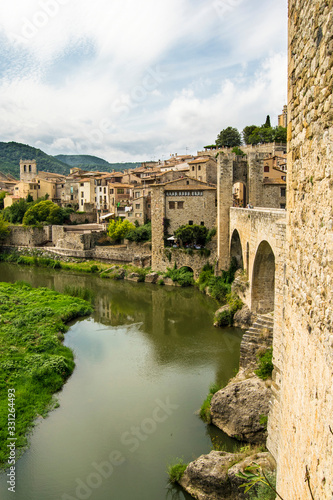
204, 411
4, 228
182, 276
118, 229
177, 470
265, 364
191, 234
140, 233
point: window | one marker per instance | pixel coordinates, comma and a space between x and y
72, 197
82, 184
187, 182
29, 168
180, 204
202, 223
111, 191
25, 168
72, 190
137, 194
283, 191
172, 204
199, 167
282, 205
104, 190
190, 222
283, 177
82, 194
266, 168
81, 202
148, 205
192, 169
120, 191
137, 206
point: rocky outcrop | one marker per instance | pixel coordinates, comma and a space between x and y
213, 476
133, 277
239, 408
152, 278
244, 318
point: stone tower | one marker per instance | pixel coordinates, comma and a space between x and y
28, 170
301, 418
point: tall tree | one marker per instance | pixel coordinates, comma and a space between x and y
268, 122
247, 131
228, 137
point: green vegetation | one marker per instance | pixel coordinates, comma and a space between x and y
265, 364
32, 359
226, 317
176, 470
228, 137
4, 228
45, 211
92, 163
260, 483
15, 213
191, 234
263, 420
12, 152
254, 134
238, 151
140, 233
204, 411
182, 276
117, 229
2, 197
218, 286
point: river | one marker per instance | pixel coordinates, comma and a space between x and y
144, 363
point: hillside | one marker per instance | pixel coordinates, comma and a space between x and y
12, 152
88, 162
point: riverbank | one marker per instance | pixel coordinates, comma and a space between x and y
33, 362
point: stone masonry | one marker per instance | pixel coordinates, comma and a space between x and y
301, 418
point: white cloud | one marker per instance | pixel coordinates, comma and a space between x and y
128, 79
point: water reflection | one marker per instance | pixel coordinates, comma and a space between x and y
142, 344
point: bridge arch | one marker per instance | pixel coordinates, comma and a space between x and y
236, 249
263, 279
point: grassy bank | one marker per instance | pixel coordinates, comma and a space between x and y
33, 362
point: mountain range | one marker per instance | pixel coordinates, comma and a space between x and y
12, 152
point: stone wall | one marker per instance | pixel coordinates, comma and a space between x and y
27, 236
301, 419
83, 218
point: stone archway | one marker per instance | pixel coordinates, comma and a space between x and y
236, 249
263, 279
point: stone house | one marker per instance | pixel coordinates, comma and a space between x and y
86, 194
204, 169
183, 201
120, 196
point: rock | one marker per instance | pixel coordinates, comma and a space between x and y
244, 318
237, 408
170, 282
152, 278
223, 316
133, 277
117, 274
213, 476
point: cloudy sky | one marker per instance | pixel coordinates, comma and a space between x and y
132, 80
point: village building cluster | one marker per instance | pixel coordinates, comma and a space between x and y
185, 184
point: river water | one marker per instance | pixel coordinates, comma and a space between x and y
144, 363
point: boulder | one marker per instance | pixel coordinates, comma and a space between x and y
152, 278
133, 277
244, 318
238, 408
213, 476
223, 316
170, 282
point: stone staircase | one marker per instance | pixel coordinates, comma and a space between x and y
258, 336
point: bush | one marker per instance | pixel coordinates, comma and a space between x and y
176, 471
45, 211
191, 234
265, 364
4, 228
118, 229
140, 233
182, 276
204, 411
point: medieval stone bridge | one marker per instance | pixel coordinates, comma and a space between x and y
257, 240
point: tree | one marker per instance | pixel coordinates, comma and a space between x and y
228, 137
44, 211
4, 228
280, 134
16, 211
2, 197
238, 151
118, 229
247, 131
191, 234
268, 122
